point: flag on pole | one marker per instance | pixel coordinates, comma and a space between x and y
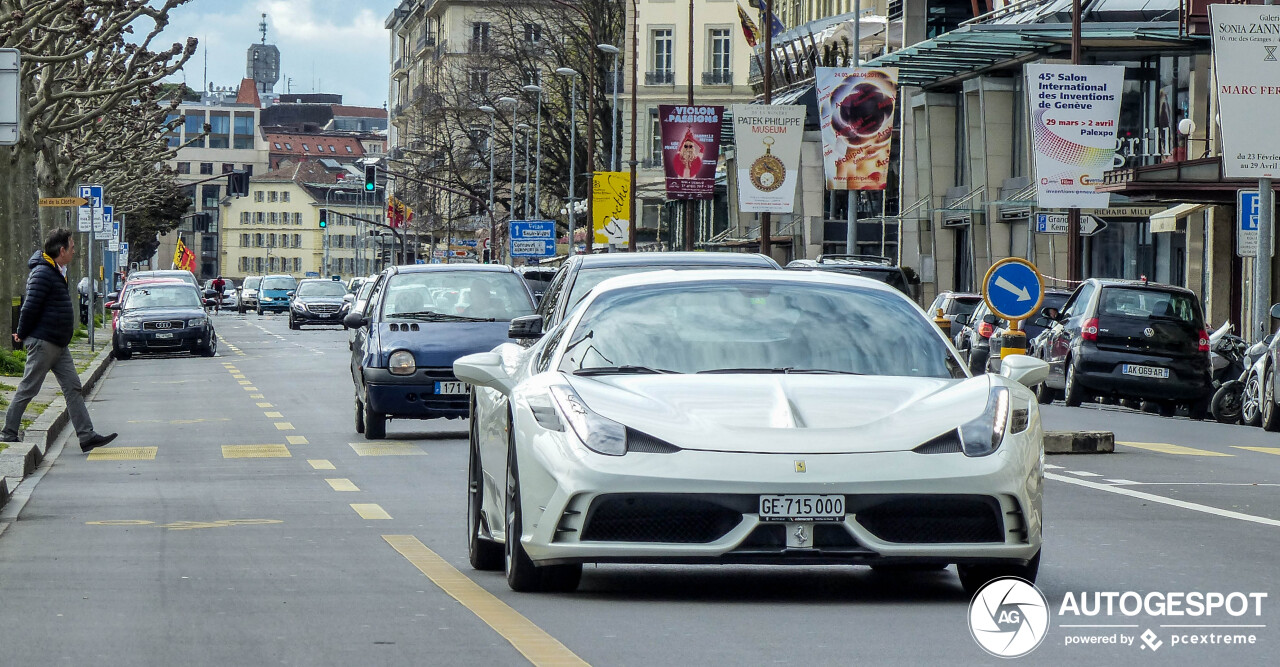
749, 29
183, 258
776, 26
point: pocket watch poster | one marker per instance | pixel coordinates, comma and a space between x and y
856, 109
690, 149
767, 139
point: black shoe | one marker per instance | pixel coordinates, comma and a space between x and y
97, 441
8, 439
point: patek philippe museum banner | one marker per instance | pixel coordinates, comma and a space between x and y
690, 149
1074, 112
856, 108
1246, 67
767, 140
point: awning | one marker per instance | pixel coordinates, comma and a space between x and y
1167, 220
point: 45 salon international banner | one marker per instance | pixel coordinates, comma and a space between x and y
767, 139
856, 109
1074, 110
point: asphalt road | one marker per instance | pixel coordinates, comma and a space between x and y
249, 530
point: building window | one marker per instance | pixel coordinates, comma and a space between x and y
297, 264
206, 168
288, 146
342, 241
349, 150
333, 149
479, 82
306, 148
244, 264
258, 196
248, 169
257, 240
297, 218
655, 137
273, 219
479, 37
261, 217
184, 167
209, 193
662, 49
244, 130
271, 264
532, 33
277, 145
273, 196
227, 168
219, 129
193, 126
720, 45
244, 240
297, 240
257, 263
284, 195
244, 217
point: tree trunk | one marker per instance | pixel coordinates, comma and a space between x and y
19, 224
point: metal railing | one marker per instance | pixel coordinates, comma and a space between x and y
660, 78
717, 78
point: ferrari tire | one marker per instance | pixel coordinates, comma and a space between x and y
974, 577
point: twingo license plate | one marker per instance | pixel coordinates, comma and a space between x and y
801, 508
451, 388
1144, 371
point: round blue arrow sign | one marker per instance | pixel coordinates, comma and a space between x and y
1013, 289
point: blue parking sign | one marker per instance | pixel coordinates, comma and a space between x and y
1247, 223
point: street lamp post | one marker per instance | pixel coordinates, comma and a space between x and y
493, 126
615, 131
493, 242
573, 141
537, 179
524, 128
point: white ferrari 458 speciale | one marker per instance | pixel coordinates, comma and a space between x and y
748, 417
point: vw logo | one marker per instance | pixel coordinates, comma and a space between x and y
1008, 617
162, 325
1149, 332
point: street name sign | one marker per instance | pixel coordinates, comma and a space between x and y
1056, 223
1013, 288
533, 238
62, 201
1247, 223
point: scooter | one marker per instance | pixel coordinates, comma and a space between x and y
1238, 401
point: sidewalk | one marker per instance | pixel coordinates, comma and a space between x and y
46, 414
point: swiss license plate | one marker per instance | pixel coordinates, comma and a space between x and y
1144, 371
164, 335
801, 508
451, 388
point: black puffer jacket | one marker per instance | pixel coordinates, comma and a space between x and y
47, 312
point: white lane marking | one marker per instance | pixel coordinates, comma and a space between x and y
1121, 481
1083, 473
1195, 507
1050, 466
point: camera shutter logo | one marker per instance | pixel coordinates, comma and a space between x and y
1008, 617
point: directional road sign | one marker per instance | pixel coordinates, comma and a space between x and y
63, 201
1013, 288
1056, 223
533, 238
1247, 223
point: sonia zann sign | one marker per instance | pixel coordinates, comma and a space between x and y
1246, 69
767, 140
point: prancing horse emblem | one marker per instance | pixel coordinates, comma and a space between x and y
1149, 332
799, 466
801, 538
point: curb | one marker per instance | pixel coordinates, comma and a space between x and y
21, 458
1079, 442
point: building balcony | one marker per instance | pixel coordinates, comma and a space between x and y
651, 163
717, 78
660, 78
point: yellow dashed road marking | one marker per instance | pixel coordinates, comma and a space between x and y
530, 640
342, 485
1264, 450
123, 454
297, 439
243, 382
250, 389
1166, 448
255, 451
321, 464
238, 376
266, 405
273, 415
255, 395
370, 511
384, 449
284, 426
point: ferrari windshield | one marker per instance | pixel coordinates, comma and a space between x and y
757, 326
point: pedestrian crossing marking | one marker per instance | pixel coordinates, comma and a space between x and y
385, 449
370, 511
266, 405
123, 454
284, 426
342, 485
256, 396
238, 376
1166, 448
1264, 450
321, 464
297, 439
273, 415
530, 640
250, 389
244, 382
255, 452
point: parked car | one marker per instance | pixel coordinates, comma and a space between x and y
973, 338
580, 273
359, 304
249, 293
412, 331
316, 301
163, 317
538, 278
952, 304
131, 285
665, 419
871, 266
181, 274
273, 293
1129, 340
1032, 329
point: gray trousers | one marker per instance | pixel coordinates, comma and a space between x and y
42, 357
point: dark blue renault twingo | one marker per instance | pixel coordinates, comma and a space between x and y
418, 320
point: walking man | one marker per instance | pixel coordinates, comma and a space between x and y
45, 327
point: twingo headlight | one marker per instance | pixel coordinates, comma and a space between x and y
401, 363
599, 434
984, 434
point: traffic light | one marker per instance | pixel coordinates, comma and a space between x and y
238, 184
370, 177
324, 218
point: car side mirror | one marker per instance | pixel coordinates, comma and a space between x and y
1050, 313
114, 296
990, 319
209, 302
1275, 311
289, 294
349, 298
210, 293
484, 370
529, 326
1028, 371
112, 305
354, 320
961, 320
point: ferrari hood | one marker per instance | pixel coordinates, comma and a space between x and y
777, 413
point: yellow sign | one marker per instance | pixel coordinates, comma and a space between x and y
63, 201
610, 207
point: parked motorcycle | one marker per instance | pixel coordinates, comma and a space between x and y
1238, 401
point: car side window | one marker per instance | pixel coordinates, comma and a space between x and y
1079, 301
374, 297
549, 345
552, 296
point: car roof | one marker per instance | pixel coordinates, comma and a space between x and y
704, 275
321, 280
430, 268
1140, 284
283, 275
663, 258
148, 281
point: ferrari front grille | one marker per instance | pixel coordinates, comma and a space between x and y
655, 517
934, 519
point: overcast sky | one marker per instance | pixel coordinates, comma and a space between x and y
329, 46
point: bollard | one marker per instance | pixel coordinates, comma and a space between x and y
1013, 342
939, 319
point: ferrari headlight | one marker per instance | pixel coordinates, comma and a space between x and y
599, 434
401, 363
131, 325
983, 435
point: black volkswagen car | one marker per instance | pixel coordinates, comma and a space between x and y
316, 301
1129, 339
164, 317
